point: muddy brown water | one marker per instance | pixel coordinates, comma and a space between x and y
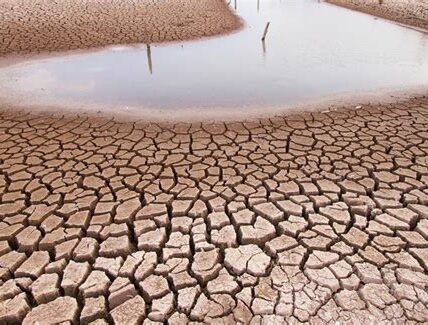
312, 50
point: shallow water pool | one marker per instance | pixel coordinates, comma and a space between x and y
312, 50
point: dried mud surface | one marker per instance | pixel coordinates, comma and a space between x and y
409, 12
43, 26
315, 218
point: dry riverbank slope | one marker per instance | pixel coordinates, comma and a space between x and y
409, 12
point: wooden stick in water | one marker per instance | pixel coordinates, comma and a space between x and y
149, 58
266, 30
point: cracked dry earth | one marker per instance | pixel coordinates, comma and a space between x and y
59, 25
316, 218
410, 12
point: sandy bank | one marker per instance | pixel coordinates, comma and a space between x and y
40, 26
123, 113
409, 12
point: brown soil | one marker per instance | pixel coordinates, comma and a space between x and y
409, 12
316, 218
41, 26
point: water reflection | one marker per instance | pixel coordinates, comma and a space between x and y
264, 48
